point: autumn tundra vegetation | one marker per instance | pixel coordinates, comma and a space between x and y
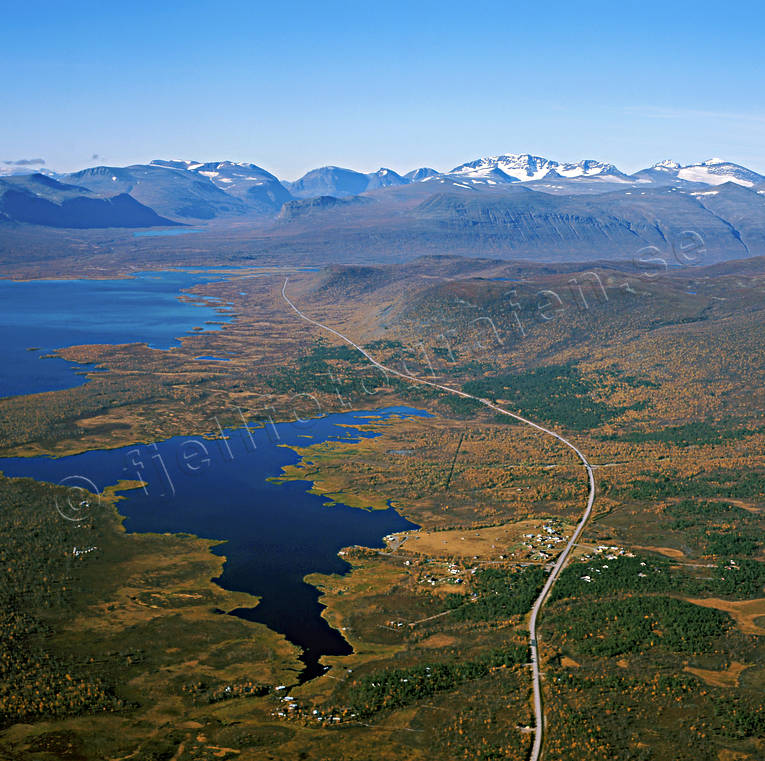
651, 642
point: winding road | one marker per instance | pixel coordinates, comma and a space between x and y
562, 558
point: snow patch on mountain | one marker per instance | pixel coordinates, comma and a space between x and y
666, 166
421, 175
717, 171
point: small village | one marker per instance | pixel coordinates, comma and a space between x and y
80, 551
289, 708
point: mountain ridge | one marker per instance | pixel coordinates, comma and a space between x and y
520, 202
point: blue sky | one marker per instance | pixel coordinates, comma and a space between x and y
295, 85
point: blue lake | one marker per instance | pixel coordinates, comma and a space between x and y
274, 534
52, 314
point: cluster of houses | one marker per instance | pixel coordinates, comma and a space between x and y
608, 552
454, 575
605, 552
542, 546
289, 708
80, 551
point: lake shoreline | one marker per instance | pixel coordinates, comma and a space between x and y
272, 535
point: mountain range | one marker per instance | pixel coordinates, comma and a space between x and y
38, 199
518, 203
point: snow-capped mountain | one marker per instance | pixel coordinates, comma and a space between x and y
249, 182
590, 168
171, 193
421, 174
18, 170
668, 166
192, 190
508, 168
719, 171
528, 205
710, 172
524, 167
384, 178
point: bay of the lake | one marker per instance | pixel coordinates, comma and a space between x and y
273, 534
40, 316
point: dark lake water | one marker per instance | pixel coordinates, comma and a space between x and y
52, 314
274, 534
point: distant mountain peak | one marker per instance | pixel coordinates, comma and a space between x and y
525, 167
14, 170
588, 168
421, 174
174, 163
718, 171
329, 181
384, 178
259, 189
714, 171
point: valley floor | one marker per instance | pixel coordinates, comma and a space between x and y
651, 643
